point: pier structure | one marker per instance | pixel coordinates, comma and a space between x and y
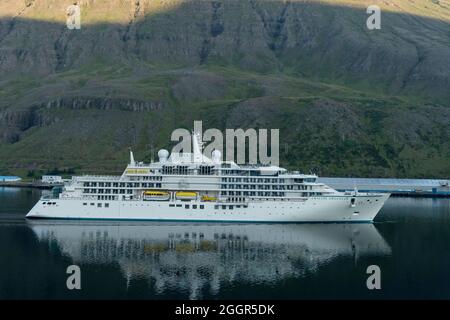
397, 187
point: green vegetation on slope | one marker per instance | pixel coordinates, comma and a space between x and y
347, 101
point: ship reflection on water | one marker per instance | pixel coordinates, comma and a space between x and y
190, 257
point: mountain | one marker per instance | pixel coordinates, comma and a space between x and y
348, 101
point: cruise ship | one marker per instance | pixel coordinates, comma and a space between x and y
194, 187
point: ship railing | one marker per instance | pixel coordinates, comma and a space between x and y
49, 197
74, 198
97, 178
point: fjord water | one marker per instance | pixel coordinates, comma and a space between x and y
410, 242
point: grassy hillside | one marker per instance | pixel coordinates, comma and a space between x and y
348, 101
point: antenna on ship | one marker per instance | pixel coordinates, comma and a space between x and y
152, 152
197, 147
132, 162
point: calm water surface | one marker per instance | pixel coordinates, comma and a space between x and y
410, 241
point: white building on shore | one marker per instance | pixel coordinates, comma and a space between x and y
9, 179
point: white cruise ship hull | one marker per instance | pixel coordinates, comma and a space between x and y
332, 208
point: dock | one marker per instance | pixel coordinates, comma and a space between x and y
29, 184
432, 188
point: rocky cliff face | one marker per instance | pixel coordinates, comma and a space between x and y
230, 63
410, 51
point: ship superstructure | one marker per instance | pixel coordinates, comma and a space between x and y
194, 187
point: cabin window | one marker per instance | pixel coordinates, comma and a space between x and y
206, 170
92, 203
202, 206
178, 205
99, 205
171, 205
224, 207
216, 207
186, 206
194, 206
84, 204
106, 205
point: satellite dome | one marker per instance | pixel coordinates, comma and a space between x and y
163, 154
216, 156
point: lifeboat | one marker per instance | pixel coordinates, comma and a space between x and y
186, 195
208, 198
150, 195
